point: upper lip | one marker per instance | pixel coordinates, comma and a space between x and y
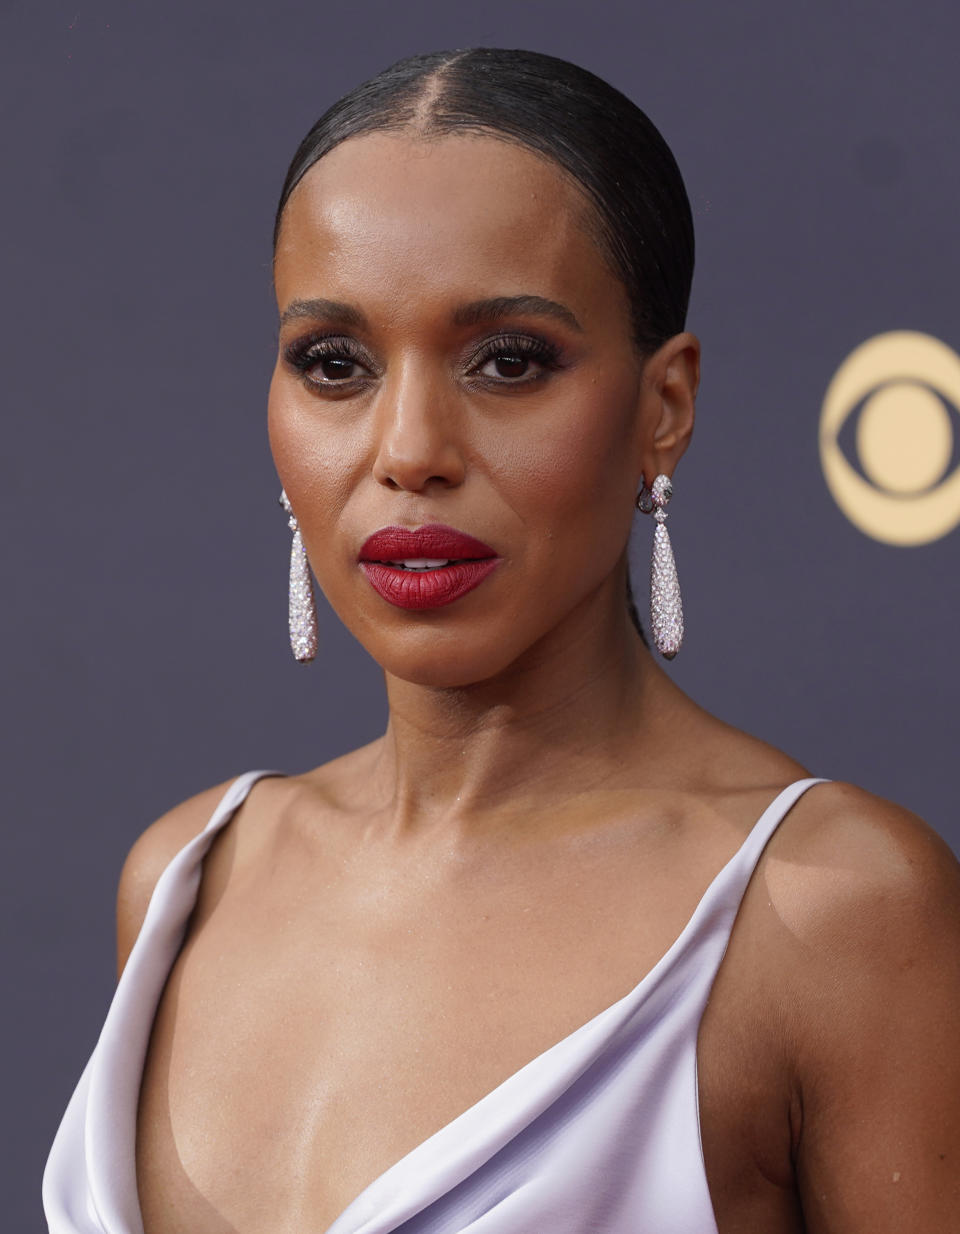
434, 541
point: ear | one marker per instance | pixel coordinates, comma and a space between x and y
670, 380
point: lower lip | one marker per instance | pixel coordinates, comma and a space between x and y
427, 588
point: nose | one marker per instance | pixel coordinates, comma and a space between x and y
418, 437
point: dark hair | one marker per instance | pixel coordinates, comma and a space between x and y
603, 141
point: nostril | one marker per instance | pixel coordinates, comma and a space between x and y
396, 485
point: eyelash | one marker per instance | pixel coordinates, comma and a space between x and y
303, 354
528, 346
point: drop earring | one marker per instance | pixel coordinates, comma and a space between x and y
303, 608
666, 608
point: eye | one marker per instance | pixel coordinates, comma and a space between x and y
508, 366
335, 368
327, 360
509, 359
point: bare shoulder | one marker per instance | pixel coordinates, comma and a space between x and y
863, 906
852, 893
857, 928
853, 863
150, 855
274, 802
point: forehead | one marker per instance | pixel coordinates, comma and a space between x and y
391, 215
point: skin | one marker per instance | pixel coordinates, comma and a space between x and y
381, 941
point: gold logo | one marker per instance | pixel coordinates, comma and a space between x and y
904, 383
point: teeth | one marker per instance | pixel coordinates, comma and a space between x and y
421, 563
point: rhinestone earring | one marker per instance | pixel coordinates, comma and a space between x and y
303, 609
666, 608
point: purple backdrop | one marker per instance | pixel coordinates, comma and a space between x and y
145, 652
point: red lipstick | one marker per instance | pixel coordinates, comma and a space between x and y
426, 568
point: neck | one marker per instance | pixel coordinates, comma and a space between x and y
579, 712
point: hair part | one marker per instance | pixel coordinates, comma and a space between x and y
609, 148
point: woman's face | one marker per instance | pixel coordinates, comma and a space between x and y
455, 353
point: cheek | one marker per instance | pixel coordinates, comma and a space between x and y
315, 469
574, 477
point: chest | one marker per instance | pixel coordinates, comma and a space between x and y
300, 1050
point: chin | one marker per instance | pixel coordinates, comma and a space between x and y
442, 661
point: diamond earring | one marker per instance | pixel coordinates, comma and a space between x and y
303, 609
666, 608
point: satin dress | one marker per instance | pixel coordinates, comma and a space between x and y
600, 1132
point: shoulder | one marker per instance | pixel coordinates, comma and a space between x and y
275, 803
865, 897
854, 863
150, 855
851, 891
853, 979
864, 902
854, 908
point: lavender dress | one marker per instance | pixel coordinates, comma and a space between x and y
601, 1132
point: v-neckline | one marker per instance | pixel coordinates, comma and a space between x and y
377, 1196
616, 1012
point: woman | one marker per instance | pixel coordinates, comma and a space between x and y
542, 958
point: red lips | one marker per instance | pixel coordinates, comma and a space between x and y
446, 564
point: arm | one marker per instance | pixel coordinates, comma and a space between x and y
150, 856
878, 1060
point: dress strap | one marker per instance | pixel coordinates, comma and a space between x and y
234, 797
117, 1063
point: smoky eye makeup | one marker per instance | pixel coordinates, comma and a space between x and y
511, 355
338, 355
328, 360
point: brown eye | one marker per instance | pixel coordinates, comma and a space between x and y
511, 366
335, 368
328, 361
516, 360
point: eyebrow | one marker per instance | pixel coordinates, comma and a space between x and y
333, 310
505, 306
472, 314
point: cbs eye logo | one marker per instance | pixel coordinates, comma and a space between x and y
893, 404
